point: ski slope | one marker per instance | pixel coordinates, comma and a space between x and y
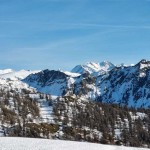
11, 143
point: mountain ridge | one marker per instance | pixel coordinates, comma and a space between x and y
110, 108
120, 84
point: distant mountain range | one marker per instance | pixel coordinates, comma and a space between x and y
105, 82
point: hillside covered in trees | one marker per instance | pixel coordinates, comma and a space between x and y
29, 114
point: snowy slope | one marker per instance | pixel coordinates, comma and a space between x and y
94, 68
71, 74
127, 85
12, 143
15, 75
6, 71
48, 81
11, 79
16, 85
45, 111
60, 83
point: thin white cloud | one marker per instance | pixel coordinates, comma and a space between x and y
76, 25
111, 25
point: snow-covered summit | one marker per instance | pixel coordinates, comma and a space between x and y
94, 68
143, 64
48, 81
106, 66
127, 85
60, 83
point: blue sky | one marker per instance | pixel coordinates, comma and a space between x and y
40, 34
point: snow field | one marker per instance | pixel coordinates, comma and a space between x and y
11, 143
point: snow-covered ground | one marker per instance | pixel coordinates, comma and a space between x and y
11, 143
15, 75
45, 111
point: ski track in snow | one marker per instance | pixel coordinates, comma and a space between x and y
45, 111
11, 143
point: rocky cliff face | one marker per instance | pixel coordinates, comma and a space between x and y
127, 85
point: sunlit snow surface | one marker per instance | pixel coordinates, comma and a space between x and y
10, 143
94, 68
15, 75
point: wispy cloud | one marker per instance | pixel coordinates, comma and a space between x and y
75, 25
71, 30
112, 25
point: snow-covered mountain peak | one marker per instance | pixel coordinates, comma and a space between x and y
104, 81
143, 61
144, 64
79, 69
106, 65
94, 68
49, 81
93, 65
